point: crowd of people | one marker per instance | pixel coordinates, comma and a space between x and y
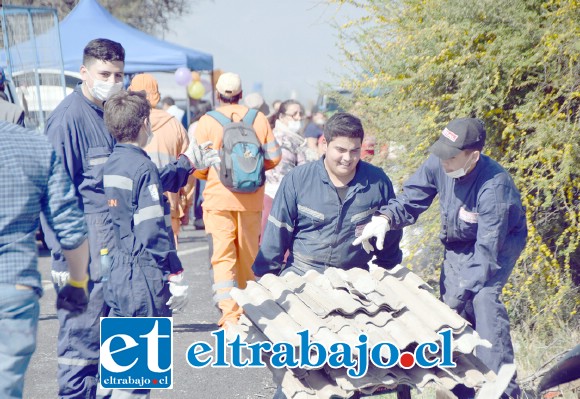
119, 173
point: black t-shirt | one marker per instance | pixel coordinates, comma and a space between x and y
342, 192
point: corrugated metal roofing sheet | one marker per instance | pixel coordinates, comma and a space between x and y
393, 306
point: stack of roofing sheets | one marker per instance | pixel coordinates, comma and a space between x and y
393, 306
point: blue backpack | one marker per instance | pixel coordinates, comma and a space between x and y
242, 156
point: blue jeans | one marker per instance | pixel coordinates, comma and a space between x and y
19, 311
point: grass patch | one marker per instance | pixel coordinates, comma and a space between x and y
536, 349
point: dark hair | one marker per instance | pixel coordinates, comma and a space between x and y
124, 114
282, 110
230, 100
168, 100
200, 109
103, 50
343, 124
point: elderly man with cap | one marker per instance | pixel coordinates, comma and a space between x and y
483, 231
168, 142
232, 219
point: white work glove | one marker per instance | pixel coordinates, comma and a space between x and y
200, 156
178, 290
377, 227
59, 278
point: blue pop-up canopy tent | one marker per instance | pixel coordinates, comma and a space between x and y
39, 55
143, 53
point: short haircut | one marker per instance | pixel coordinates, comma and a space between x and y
343, 124
230, 100
124, 114
103, 50
168, 100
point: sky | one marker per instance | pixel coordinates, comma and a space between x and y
286, 47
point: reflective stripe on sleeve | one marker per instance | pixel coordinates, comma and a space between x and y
150, 212
97, 161
77, 362
280, 224
116, 181
271, 150
221, 297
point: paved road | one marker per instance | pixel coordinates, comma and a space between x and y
195, 324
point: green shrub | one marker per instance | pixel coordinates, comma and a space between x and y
417, 64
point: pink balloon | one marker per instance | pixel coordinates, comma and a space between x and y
182, 76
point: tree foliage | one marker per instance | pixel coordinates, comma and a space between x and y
417, 64
151, 16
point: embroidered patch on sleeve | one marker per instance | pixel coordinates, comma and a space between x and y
154, 191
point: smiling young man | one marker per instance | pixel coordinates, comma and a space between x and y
483, 230
321, 205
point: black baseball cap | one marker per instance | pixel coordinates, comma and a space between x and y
460, 134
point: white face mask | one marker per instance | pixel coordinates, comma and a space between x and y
102, 91
294, 126
456, 174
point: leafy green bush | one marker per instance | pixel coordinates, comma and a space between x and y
417, 64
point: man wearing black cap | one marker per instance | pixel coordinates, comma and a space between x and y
483, 230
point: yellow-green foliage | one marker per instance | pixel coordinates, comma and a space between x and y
513, 63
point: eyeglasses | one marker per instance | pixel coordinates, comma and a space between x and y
295, 115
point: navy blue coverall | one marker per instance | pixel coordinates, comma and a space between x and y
483, 230
312, 222
77, 131
145, 253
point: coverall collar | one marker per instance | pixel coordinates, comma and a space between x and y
79, 90
358, 182
471, 176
